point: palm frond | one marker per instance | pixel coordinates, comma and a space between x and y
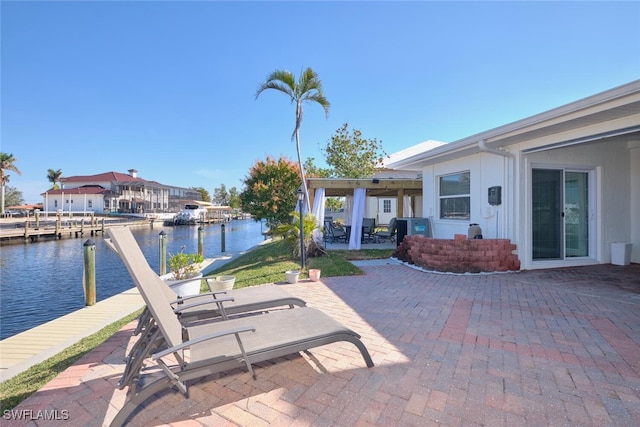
320, 99
280, 80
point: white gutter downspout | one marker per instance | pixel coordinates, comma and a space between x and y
483, 147
507, 183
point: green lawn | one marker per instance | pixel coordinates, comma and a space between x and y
267, 264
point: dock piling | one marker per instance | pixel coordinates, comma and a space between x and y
201, 241
163, 252
89, 276
222, 237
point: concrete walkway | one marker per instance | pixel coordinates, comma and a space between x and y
21, 351
537, 348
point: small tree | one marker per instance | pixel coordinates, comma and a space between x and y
315, 172
234, 198
270, 190
291, 233
353, 156
203, 193
54, 178
220, 195
7, 163
13, 197
334, 203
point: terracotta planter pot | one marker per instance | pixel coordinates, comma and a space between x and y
314, 274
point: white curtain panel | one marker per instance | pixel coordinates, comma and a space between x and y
348, 209
318, 206
359, 196
318, 212
406, 207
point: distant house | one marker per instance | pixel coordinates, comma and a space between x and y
562, 185
114, 192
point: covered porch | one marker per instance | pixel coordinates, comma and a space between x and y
356, 191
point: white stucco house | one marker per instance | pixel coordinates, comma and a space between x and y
115, 192
562, 185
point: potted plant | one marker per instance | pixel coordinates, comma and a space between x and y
185, 275
314, 274
292, 276
221, 283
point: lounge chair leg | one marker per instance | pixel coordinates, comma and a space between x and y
137, 399
148, 342
245, 358
363, 350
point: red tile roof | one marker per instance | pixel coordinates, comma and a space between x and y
103, 177
86, 189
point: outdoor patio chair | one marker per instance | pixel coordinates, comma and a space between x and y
389, 233
196, 351
333, 234
368, 228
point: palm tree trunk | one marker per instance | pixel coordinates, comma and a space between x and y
304, 180
297, 133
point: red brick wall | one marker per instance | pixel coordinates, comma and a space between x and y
459, 255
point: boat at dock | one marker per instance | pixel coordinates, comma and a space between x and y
201, 213
190, 215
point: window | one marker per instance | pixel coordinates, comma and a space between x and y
386, 206
55, 203
89, 203
455, 198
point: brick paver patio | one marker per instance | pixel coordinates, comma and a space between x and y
539, 348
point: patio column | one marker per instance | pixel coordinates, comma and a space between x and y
400, 203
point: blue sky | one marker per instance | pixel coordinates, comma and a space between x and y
168, 88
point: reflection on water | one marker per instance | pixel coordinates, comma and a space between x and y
42, 281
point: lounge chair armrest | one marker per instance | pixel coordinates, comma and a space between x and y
203, 338
187, 297
182, 307
214, 293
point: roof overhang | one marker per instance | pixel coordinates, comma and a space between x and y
376, 187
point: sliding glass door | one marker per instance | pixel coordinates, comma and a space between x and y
560, 214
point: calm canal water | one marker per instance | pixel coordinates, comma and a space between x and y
42, 281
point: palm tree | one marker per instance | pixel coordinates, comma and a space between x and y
307, 88
54, 177
6, 164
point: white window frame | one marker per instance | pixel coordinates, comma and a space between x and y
442, 198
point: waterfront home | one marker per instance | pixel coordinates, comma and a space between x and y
562, 185
112, 192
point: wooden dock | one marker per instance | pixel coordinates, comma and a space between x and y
29, 231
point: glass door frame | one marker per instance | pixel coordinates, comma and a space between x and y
591, 173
